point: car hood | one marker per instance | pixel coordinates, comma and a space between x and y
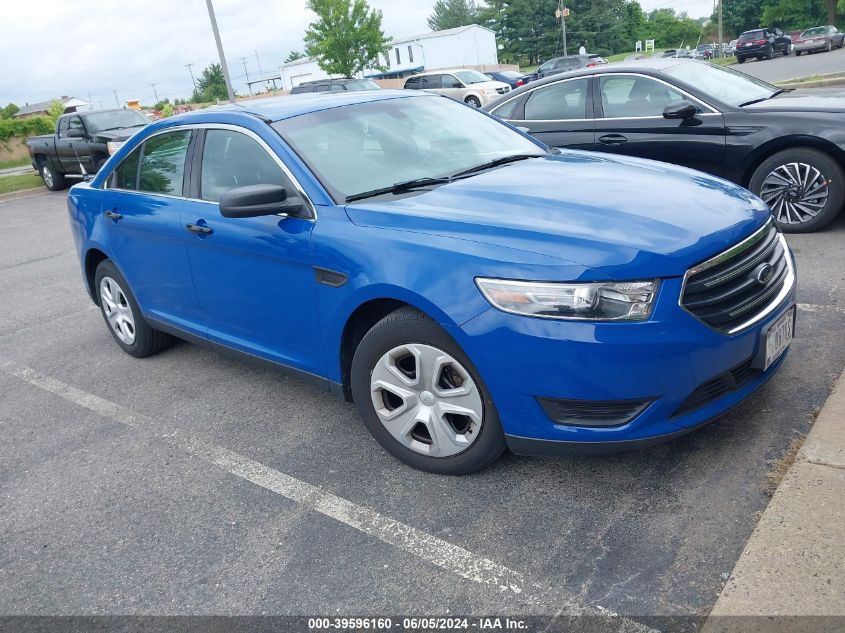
799, 101
621, 217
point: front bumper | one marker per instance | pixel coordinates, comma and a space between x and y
664, 359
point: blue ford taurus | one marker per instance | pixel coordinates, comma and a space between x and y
468, 288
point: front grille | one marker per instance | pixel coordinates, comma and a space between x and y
503, 89
730, 291
723, 384
593, 412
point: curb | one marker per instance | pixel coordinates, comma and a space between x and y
794, 562
22, 193
819, 83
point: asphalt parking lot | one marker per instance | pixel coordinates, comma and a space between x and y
793, 67
190, 483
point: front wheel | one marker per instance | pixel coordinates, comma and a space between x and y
473, 101
123, 316
803, 187
421, 397
53, 180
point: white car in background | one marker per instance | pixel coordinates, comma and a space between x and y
462, 84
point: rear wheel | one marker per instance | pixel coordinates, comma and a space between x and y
473, 101
123, 316
803, 187
829, 45
740, 60
421, 397
797, 53
53, 180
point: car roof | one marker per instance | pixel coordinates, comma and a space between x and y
337, 80
278, 108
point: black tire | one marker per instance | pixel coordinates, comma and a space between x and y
797, 53
770, 52
473, 101
53, 180
829, 45
147, 340
740, 60
408, 325
827, 166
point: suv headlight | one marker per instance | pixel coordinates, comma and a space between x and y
600, 301
113, 146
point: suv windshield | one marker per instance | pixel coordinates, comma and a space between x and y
751, 35
722, 83
363, 84
367, 146
114, 119
470, 76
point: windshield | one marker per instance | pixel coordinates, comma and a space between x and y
722, 83
819, 30
363, 84
470, 76
367, 146
114, 119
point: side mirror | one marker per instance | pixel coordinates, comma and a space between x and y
75, 133
253, 201
679, 110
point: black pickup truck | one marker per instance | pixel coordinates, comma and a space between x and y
82, 143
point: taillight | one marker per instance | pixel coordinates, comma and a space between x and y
519, 82
761, 41
591, 64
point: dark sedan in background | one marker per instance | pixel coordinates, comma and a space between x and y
513, 78
787, 147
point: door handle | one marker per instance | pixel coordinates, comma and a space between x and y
199, 229
613, 139
113, 215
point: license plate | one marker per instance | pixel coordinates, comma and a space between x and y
779, 337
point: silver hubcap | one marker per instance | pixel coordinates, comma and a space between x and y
47, 175
426, 400
795, 192
117, 310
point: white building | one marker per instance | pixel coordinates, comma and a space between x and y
470, 45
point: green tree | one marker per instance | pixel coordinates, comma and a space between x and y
671, 30
56, 109
9, 111
293, 56
448, 14
346, 38
166, 110
211, 85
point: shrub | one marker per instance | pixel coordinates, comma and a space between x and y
26, 127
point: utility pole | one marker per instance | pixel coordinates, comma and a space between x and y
223, 65
116, 100
721, 2
246, 72
258, 61
193, 81
155, 92
561, 13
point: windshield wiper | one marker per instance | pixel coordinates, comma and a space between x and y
399, 187
777, 92
504, 160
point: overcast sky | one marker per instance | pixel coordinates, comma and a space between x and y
51, 48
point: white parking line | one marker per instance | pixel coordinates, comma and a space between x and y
445, 555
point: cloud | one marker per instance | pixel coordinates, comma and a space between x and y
53, 47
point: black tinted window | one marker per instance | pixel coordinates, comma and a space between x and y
231, 159
126, 175
562, 100
413, 83
62, 127
751, 35
432, 82
163, 162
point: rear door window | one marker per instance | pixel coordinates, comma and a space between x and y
561, 100
432, 82
163, 163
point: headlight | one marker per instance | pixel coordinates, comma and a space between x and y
113, 146
602, 301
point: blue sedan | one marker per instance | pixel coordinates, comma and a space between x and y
511, 77
470, 289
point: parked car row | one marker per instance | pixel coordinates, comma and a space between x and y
820, 38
